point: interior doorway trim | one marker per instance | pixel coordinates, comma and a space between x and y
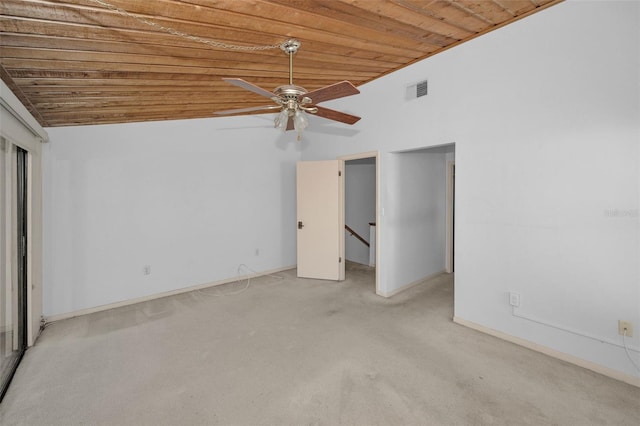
375, 155
450, 227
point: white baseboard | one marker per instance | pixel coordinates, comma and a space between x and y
411, 284
605, 371
67, 315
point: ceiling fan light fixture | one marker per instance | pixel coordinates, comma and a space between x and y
282, 119
300, 122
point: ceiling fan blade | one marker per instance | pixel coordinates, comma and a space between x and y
248, 86
337, 115
334, 91
266, 108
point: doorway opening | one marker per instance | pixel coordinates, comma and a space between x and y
13, 281
422, 208
360, 208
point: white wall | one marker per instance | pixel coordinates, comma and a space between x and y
192, 199
416, 208
545, 116
360, 207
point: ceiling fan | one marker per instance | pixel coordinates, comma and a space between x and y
294, 102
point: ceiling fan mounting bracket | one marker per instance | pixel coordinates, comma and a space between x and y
290, 46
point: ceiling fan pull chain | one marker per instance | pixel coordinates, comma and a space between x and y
175, 32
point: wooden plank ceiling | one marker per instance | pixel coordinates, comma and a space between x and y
80, 62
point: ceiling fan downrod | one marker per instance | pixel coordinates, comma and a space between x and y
290, 47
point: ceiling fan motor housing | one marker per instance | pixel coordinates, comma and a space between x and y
289, 97
289, 92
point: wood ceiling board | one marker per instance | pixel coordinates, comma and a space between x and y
93, 61
210, 103
421, 14
487, 11
444, 12
94, 32
157, 107
75, 62
213, 73
132, 33
74, 119
515, 7
272, 28
415, 15
300, 17
86, 45
24, 99
141, 84
233, 61
375, 21
149, 106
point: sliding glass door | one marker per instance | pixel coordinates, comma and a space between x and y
13, 260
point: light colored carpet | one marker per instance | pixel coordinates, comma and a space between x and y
300, 352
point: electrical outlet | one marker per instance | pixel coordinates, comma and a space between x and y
622, 325
514, 299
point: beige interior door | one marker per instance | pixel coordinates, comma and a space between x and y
320, 186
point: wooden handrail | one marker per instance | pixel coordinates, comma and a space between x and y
355, 234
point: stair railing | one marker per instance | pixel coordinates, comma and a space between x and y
355, 234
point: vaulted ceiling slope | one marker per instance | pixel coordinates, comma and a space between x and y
86, 62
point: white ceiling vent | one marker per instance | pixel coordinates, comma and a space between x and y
416, 90
421, 89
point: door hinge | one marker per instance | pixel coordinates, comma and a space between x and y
339, 260
339, 173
